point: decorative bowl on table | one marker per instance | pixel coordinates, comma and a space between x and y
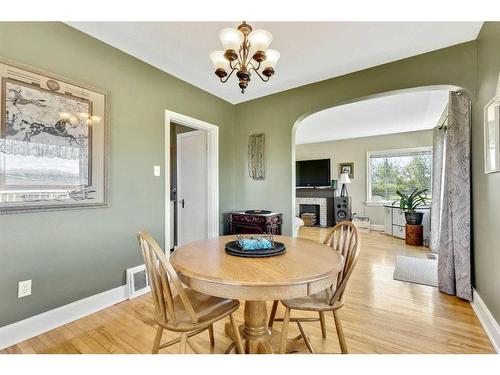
255, 246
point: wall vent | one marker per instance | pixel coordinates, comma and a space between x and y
137, 281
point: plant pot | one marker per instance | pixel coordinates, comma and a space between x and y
414, 217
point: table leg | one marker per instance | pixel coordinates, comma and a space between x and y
257, 335
256, 331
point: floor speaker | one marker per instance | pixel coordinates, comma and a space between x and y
342, 209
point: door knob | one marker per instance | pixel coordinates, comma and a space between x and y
182, 203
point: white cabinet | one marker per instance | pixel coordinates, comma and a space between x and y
388, 221
398, 217
399, 231
395, 222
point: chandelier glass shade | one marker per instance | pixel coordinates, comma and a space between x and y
245, 51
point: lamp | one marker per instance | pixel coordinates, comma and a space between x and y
245, 52
231, 41
220, 63
344, 179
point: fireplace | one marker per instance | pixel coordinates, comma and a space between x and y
310, 209
317, 206
322, 198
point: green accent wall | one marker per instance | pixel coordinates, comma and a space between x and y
276, 115
73, 254
486, 187
473, 66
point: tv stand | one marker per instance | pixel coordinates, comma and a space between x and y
314, 196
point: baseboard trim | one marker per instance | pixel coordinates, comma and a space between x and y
25, 329
487, 320
377, 227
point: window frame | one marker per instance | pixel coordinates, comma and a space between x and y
369, 154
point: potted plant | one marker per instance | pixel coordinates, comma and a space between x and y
409, 204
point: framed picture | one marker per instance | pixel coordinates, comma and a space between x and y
347, 168
492, 137
53, 141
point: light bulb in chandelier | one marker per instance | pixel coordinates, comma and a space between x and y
231, 41
220, 63
259, 42
272, 57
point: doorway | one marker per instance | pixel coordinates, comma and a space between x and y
198, 192
192, 198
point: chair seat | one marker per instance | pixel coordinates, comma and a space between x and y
315, 302
208, 309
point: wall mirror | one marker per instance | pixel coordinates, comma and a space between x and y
492, 137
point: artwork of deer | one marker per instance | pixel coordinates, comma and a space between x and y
20, 100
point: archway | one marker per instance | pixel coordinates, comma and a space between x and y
299, 122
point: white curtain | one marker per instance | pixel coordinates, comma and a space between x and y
451, 210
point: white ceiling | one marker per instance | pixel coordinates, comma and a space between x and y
398, 113
310, 51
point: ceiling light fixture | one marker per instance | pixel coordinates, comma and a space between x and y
244, 51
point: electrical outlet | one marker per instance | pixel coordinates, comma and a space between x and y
156, 170
24, 288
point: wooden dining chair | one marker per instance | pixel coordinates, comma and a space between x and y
179, 309
344, 239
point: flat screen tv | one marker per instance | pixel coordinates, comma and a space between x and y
313, 173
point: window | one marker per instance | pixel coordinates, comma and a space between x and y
398, 170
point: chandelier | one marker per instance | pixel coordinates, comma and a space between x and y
244, 51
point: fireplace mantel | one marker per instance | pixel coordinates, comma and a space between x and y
315, 193
321, 197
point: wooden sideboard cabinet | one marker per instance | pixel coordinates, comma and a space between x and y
251, 222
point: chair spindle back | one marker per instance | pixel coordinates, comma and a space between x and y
344, 239
165, 283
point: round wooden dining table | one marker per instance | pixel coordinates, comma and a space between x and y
305, 268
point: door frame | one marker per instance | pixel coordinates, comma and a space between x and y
212, 170
179, 166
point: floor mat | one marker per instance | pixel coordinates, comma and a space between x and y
416, 270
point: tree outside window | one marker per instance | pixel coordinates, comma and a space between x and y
401, 170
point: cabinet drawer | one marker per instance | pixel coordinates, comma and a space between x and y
398, 231
248, 219
398, 217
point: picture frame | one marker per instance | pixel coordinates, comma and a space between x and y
492, 137
53, 141
347, 168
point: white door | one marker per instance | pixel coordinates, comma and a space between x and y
192, 196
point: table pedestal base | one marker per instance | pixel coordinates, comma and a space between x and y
259, 339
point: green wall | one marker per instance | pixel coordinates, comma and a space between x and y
74, 254
474, 66
486, 187
275, 115
70, 255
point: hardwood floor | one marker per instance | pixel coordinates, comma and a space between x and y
381, 315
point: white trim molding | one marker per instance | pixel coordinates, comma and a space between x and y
487, 320
212, 170
25, 329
